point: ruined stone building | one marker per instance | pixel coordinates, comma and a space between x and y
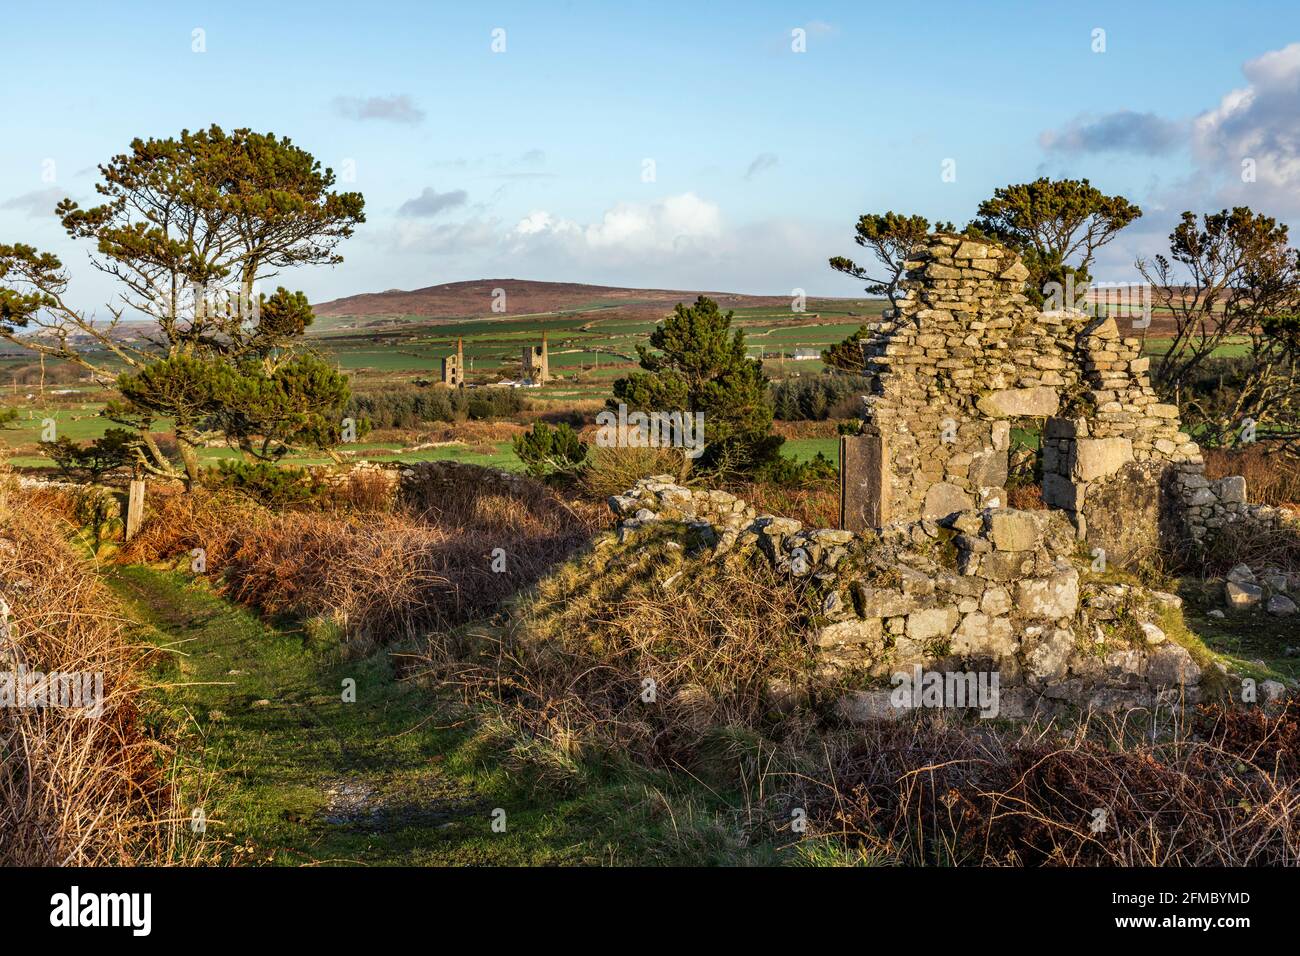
537, 363
453, 367
966, 358
931, 570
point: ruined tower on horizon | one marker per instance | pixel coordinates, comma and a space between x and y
453, 366
537, 363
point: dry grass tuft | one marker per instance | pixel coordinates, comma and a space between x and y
589, 647
1027, 497
817, 504
1272, 478
928, 791
612, 471
75, 789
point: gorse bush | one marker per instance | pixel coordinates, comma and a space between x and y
789, 473
410, 406
104, 457
545, 449
274, 486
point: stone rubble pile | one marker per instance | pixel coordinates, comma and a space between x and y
1272, 590
992, 588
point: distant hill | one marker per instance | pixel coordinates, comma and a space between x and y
457, 300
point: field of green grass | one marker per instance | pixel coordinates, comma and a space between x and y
581, 342
589, 349
83, 422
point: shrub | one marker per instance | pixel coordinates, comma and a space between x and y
612, 471
91, 463
695, 362
273, 486
410, 406
791, 473
545, 449
1272, 478
1251, 544
929, 791
482, 404
383, 578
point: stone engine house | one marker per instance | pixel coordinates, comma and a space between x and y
453, 367
537, 363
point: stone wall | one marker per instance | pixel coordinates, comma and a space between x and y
993, 589
1119, 465
965, 357
963, 354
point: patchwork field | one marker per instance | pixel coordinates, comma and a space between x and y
592, 333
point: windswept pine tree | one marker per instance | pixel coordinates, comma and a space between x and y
189, 227
694, 363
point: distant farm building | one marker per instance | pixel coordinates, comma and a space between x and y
806, 355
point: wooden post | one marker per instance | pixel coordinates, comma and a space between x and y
134, 508
864, 482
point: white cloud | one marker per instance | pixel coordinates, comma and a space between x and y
36, 204
538, 221
664, 227
678, 242
1257, 122
396, 109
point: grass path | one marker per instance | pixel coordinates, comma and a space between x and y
290, 774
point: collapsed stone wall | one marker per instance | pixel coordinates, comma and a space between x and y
1119, 464
965, 356
993, 589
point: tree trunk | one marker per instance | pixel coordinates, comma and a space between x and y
190, 457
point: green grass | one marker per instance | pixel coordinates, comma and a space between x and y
805, 449
83, 423
287, 773
1234, 346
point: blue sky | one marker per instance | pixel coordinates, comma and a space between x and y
530, 163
